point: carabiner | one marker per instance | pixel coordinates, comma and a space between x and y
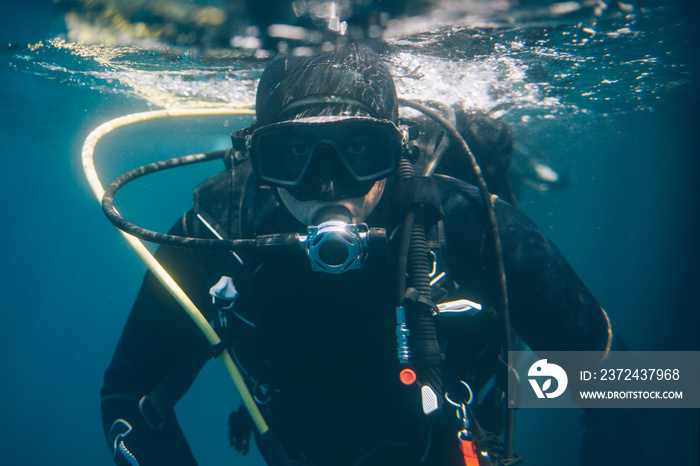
467, 402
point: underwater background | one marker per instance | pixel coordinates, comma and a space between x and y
608, 98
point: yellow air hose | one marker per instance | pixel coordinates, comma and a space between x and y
145, 255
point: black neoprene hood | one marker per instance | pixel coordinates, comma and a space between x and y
353, 74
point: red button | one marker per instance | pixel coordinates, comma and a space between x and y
407, 376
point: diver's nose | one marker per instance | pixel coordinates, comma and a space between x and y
328, 170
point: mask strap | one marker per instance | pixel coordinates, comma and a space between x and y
325, 100
239, 138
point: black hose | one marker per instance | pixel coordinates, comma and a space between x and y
161, 238
414, 253
404, 244
173, 240
413, 234
404, 172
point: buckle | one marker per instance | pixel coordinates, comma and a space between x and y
151, 413
240, 139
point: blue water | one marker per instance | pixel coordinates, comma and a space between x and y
616, 109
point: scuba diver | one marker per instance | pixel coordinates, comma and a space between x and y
380, 337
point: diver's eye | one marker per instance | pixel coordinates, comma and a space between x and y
356, 149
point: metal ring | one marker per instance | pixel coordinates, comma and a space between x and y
459, 405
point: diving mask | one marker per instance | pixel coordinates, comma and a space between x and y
370, 149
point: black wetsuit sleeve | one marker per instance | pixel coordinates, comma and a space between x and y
550, 308
159, 341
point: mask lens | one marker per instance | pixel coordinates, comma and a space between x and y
281, 155
369, 151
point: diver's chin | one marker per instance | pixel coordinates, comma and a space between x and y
353, 210
333, 213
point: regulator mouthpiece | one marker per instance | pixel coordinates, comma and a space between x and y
335, 246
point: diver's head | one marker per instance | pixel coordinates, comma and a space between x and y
327, 137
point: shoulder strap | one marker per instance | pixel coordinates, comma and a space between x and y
217, 201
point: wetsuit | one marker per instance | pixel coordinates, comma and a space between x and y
322, 347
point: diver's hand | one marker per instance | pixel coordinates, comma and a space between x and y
239, 424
